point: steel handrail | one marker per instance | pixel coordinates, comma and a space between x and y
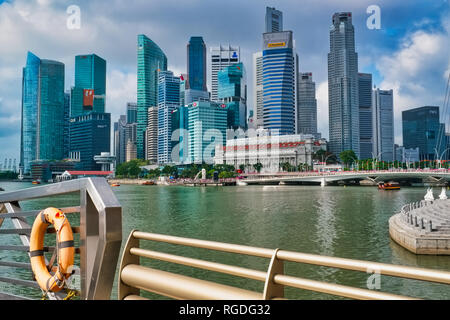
274, 278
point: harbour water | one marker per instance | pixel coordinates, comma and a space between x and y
348, 222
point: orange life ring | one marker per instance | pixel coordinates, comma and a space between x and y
65, 247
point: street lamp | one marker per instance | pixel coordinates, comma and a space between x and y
376, 158
442, 154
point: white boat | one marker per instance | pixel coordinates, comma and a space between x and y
241, 183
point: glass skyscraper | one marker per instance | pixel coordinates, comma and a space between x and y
422, 129
383, 124
221, 57
150, 60
88, 94
196, 63
89, 136
365, 116
279, 82
131, 112
204, 118
258, 88
168, 101
343, 86
232, 91
307, 104
274, 20
42, 130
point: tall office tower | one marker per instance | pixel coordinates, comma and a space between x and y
196, 63
258, 89
183, 87
42, 111
150, 60
422, 129
343, 86
232, 91
120, 139
274, 20
131, 112
131, 151
383, 124
151, 136
88, 94
307, 104
180, 135
279, 83
365, 116
202, 117
168, 101
66, 140
221, 57
89, 136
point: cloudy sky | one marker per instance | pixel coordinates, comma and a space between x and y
410, 53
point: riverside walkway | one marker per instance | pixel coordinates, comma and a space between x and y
423, 227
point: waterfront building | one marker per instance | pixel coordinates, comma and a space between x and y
151, 135
196, 63
422, 129
131, 151
270, 151
120, 139
221, 57
258, 89
207, 125
180, 135
168, 101
183, 86
279, 83
406, 155
88, 94
343, 86
191, 95
131, 112
48, 170
150, 60
89, 136
307, 104
383, 124
365, 115
66, 124
43, 105
232, 91
274, 20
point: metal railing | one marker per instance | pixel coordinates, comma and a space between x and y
134, 277
100, 232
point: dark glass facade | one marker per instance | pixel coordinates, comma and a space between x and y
89, 136
422, 129
196, 63
365, 115
90, 74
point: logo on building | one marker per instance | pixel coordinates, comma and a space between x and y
234, 55
88, 97
276, 44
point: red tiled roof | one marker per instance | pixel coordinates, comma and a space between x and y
90, 173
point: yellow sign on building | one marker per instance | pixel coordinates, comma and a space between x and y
276, 44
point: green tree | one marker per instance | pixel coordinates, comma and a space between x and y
348, 157
258, 166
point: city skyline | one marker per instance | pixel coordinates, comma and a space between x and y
409, 58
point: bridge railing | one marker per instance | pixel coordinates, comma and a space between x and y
100, 232
134, 277
412, 216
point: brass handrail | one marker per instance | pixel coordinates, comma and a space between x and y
274, 278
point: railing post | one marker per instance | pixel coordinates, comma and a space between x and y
271, 289
127, 258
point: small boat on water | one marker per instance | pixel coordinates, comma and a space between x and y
115, 185
36, 182
148, 183
389, 186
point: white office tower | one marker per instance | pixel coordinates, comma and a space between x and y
151, 135
258, 89
383, 124
221, 57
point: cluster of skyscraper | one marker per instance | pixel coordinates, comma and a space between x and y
173, 114
58, 125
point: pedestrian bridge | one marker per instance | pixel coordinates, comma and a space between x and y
437, 176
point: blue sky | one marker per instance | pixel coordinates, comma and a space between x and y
409, 54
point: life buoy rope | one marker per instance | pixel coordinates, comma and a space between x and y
65, 249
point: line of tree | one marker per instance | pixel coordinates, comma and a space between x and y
8, 175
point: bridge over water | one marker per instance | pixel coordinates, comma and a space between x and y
324, 178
